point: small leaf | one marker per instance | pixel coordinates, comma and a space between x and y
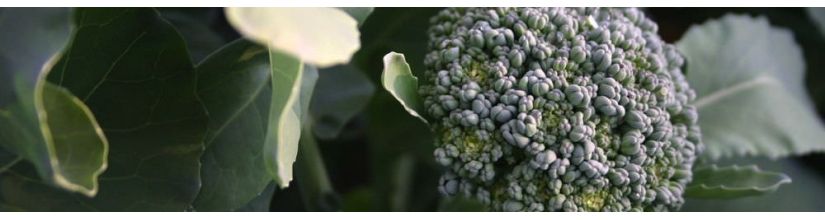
235, 87
292, 86
398, 79
748, 78
733, 182
45, 124
360, 14
342, 92
319, 36
803, 195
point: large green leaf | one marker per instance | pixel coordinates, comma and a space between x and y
234, 86
261, 202
43, 123
398, 79
133, 71
733, 182
194, 24
292, 86
7, 159
342, 92
319, 36
748, 77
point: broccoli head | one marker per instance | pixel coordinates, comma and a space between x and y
559, 109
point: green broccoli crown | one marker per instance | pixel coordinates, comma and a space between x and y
559, 109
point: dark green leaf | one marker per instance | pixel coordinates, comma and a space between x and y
45, 124
7, 159
733, 182
397, 79
292, 86
261, 202
234, 86
748, 78
342, 92
360, 14
194, 25
133, 71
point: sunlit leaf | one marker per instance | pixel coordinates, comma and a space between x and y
398, 79
292, 86
319, 36
43, 123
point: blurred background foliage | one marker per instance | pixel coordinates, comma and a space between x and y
382, 159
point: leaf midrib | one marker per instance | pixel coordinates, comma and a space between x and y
733, 90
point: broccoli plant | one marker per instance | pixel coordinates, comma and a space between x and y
516, 109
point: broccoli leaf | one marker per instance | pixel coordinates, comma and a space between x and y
261, 202
194, 24
44, 123
342, 92
360, 14
319, 36
748, 77
235, 88
133, 71
733, 182
292, 85
804, 194
398, 79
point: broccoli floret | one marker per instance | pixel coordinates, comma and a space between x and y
559, 109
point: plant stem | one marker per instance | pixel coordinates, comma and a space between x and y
311, 176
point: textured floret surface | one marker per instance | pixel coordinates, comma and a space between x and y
559, 109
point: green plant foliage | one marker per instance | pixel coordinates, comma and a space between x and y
46, 124
398, 79
804, 194
319, 36
733, 182
340, 94
750, 101
235, 88
194, 24
261, 202
292, 86
133, 71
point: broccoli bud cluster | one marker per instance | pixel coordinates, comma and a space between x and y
559, 109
